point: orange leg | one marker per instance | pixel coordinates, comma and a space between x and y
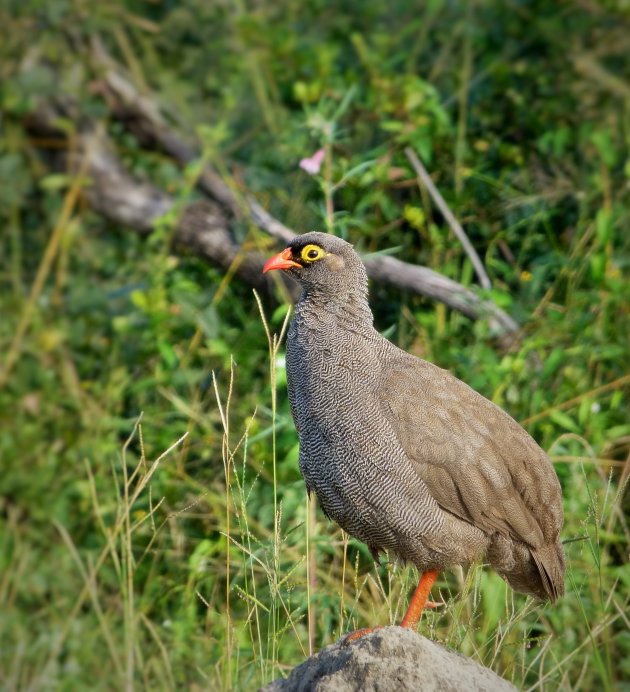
417, 604
419, 599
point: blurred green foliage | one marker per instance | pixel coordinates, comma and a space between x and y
520, 110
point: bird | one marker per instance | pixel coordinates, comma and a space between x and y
400, 453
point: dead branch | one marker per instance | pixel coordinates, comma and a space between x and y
200, 227
203, 228
425, 179
433, 285
143, 116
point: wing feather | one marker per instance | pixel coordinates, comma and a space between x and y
478, 463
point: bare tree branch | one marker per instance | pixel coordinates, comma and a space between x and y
433, 285
421, 280
143, 117
203, 227
456, 227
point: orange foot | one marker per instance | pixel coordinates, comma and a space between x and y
419, 601
357, 634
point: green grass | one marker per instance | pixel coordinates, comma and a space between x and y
154, 529
131, 596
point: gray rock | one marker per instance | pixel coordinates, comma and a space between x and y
387, 660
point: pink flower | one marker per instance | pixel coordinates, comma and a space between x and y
314, 163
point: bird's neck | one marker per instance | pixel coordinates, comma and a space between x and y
347, 310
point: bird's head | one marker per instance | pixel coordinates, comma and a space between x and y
322, 263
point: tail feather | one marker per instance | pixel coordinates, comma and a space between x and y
549, 560
538, 571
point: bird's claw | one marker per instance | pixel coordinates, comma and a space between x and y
357, 634
434, 604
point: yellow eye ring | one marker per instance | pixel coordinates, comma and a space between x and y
311, 253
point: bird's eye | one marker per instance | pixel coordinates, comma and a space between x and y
310, 253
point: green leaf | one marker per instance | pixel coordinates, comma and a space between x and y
168, 354
55, 181
564, 421
604, 225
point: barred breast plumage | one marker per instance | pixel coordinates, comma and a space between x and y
401, 454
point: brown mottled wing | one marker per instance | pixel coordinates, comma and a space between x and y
478, 463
